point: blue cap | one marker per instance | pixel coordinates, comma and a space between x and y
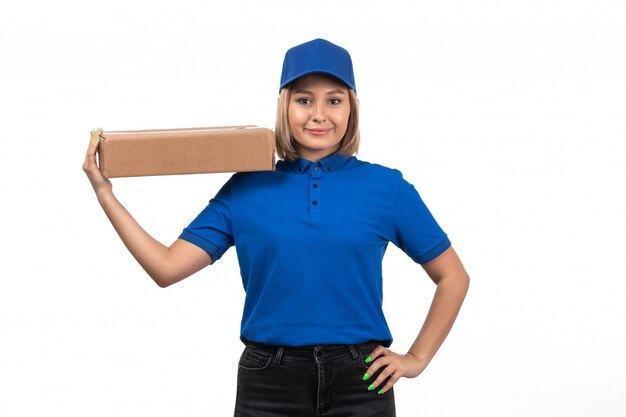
317, 57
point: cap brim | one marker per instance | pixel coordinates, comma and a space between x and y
325, 72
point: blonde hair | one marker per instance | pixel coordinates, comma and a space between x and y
285, 148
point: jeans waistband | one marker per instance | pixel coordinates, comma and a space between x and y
309, 352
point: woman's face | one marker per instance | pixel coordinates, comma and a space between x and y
319, 110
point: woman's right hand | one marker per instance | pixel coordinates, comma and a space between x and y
101, 185
165, 265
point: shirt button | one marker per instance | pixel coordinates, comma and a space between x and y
314, 185
330, 169
314, 203
316, 168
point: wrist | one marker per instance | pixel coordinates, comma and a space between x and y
104, 196
419, 357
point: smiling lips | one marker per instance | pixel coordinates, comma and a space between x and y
318, 132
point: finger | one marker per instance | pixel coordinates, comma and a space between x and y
93, 142
91, 149
374, 354
97, 132
90, 157
375, 367
382, 379
390, 383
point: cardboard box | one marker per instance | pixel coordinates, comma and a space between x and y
186, 151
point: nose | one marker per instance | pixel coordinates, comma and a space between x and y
319, 112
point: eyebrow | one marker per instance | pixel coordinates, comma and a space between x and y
304, 91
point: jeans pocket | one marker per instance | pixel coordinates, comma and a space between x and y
361, 360
254, 359
363, 354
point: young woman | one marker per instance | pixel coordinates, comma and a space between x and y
310, 239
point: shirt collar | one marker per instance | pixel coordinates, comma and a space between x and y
329, 163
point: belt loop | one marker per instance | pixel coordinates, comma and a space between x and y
279, 355
353, 351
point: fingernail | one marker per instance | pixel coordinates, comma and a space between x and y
381, 391
368, 359
366, 376
97, 139
371, 387
92, 131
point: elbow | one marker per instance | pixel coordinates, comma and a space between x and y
457, 283
464, 281
464, 284
163, 280
162, 284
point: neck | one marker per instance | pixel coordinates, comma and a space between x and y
313, 155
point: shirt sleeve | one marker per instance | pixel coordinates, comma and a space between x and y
212, 229
416, 231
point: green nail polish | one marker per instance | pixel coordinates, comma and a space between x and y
368, 359
97, 139
381, 391
371, 387
366, 376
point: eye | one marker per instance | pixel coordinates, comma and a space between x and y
304, 100
334, 101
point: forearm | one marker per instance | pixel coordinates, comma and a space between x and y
443, 311
150, 253
452, 283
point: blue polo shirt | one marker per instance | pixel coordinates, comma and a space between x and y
310, 239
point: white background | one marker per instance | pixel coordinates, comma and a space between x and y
508, 117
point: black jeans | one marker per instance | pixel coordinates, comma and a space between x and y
320, 381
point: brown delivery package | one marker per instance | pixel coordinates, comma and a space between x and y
133, 153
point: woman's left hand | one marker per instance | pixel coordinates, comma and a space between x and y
395, 365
